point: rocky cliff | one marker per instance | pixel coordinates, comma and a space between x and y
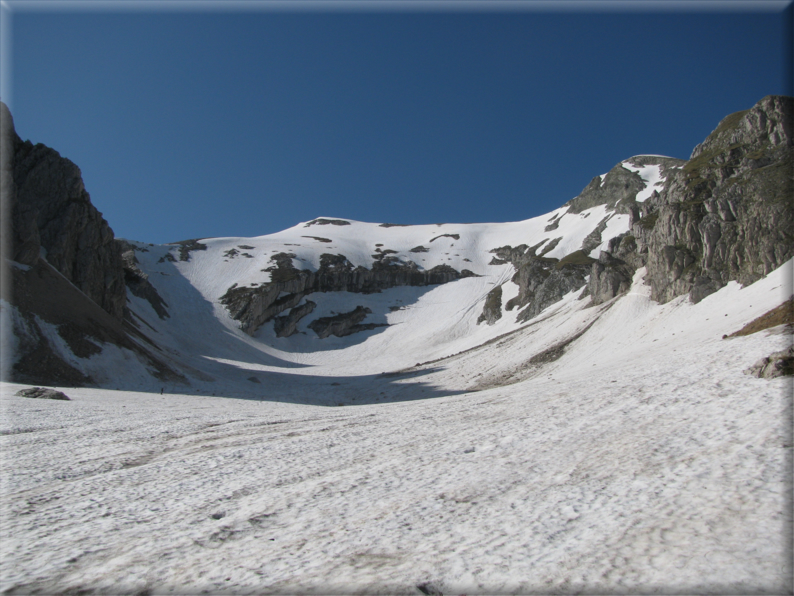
52, 215
254, 306
727, 214
67, 274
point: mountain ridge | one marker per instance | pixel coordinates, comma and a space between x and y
692, 226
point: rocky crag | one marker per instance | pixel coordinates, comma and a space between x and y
255, 306
68, 282
52, 215
541, 280
727, 214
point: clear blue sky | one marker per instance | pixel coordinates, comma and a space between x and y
206, 122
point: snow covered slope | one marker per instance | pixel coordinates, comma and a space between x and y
511, 433
409, 323
636, 458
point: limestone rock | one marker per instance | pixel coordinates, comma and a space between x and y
619, 186
321, 221
186, 246
343, 324
254, 306
612, 274
728, 213
50, 209
777, 364
541, 281
492, 310
288, 325
138, 282
42, 393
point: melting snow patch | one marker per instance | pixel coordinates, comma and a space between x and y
652, 176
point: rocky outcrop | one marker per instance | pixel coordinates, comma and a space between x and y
593, 239
42, 393
57, 326
344, 323
541, 280
254, 306
453, 236
187, 246
777, 364
52, 215
321, 221
613, 273
288, 325
619, 187
138, 282
492, 310
726, 214
67, 294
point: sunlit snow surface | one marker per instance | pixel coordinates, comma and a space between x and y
651, 174
642, 461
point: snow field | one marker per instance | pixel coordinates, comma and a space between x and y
640, 461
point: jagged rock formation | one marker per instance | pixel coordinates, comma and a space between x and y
67, 291
321, 221
138, 282
51, 210
619, 186
492, 311
42, 393
186, 246
343, 324
453, 236
541, 280
288, 325
593, 239
727, 214
612, 274
254, 306
777, 364
56, 325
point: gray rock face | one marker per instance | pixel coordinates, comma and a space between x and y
492, 311
593, 239
775, 365
619, 186
613, 273
321, 221
186, 246
541, 281
254, 306
138, 282
288, 325
50, 209
42, 393
727, 214
343, 324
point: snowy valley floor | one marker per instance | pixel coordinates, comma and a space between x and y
663, 469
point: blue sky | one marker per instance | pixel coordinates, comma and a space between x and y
204, 122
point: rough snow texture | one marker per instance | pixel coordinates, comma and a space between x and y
585, 439
545, 463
